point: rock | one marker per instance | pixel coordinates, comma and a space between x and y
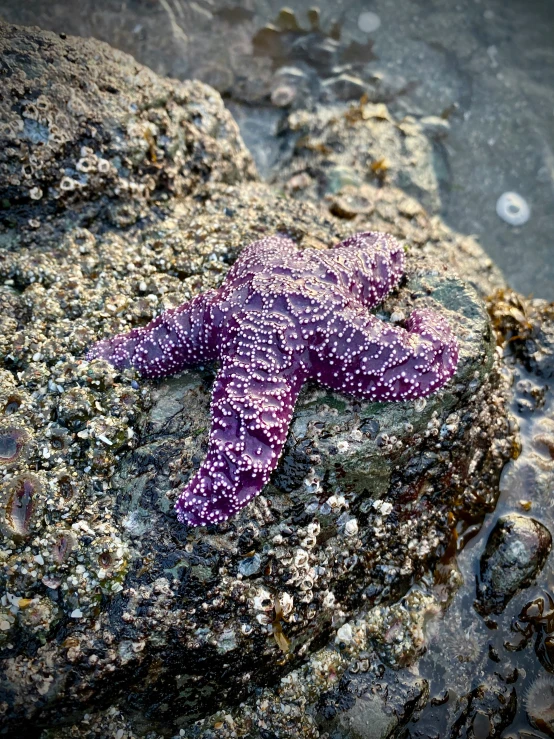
110, 599
366, 138
527, 327
344, 87
396, 631
537, 616
486, 711
374, 704
327, 518
118, 138
155, 588
516, 551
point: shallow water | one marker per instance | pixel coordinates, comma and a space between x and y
486, 65
463, 648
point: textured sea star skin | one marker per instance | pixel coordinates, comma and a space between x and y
281, 317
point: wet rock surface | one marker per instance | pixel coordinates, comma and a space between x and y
529, 327
516, 551
375, 702
350, 552
486, 711
536, 619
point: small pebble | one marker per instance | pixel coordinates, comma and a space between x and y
250, 565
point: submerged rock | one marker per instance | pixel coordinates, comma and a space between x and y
373, 704
516, 551
528, 326
486, 711
536, 618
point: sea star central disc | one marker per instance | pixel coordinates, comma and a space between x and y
283, 316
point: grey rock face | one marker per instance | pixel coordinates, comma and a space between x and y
379, 148
516, 551
117, 137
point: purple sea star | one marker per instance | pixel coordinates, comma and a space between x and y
281, 317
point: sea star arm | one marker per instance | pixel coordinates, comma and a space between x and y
369, 264
177, 338
380, 361
252, 403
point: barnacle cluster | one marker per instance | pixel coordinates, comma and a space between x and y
65, 144
59, 551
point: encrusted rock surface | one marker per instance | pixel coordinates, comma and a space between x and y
105, 596
84, 123
358, 507
379, 148
529, 327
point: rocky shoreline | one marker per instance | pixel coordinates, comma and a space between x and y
125, 194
